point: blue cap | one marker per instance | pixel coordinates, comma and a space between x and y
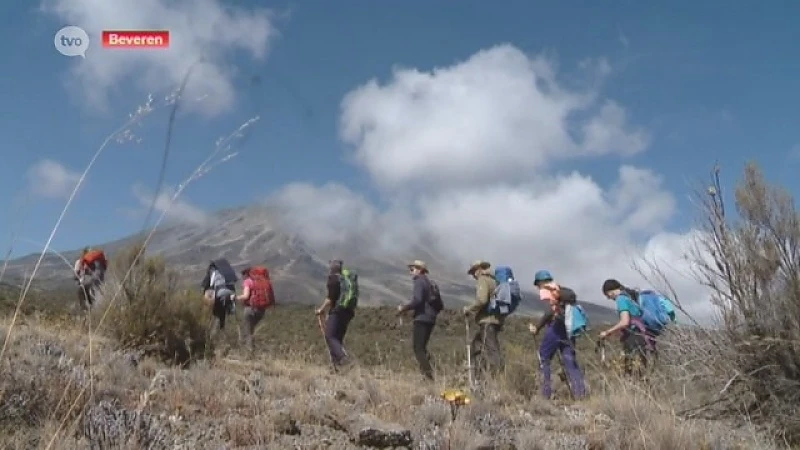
542, 275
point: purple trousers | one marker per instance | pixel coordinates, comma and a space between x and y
556, 340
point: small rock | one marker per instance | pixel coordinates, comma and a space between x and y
369, 431
285, 424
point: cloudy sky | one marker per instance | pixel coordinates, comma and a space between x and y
558, 137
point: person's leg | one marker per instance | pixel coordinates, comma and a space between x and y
251, 318
477, 352
634, 347
82, 298
574, 374
215, 325
547, 350
421, 336
335, 329
494, 354
347, 316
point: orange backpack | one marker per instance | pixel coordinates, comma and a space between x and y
261, 294
93, 256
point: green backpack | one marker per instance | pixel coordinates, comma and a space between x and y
348, 296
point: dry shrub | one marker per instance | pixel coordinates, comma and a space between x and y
750, 367
639, 422
150, 313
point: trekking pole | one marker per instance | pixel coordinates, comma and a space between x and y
538, 355
469, 353
322, 331
600, 347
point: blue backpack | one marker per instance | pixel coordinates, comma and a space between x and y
575, 319
507, 295
657, 311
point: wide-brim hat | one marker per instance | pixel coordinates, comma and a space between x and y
418, 264
479, 264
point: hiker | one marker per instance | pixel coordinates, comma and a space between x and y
90, 270
557, 338
340, 302
426, 302
257, 295
219, 287
633, 333
486, 341
657, 313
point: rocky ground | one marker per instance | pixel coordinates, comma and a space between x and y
57, 394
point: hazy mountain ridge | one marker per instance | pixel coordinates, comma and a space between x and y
257, 235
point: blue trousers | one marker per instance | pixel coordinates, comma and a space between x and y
556, 340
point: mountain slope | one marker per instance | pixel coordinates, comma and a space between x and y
258, 235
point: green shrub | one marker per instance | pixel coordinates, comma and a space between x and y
150, 313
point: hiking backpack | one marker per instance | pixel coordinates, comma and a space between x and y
567, 296
348, 296
224, 268
575, 319
262, 295
655, 311
436, 297
507, 295
95, 259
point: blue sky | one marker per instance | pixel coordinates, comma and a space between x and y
708, 82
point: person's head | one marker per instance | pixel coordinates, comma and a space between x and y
85, 251
245, 272
541, 277
335, 265
477, 268
417, 267
612, 288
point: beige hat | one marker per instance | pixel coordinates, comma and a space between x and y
419, 264
479, 264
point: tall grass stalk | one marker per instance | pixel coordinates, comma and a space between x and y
120, 135
71, 268
224, 146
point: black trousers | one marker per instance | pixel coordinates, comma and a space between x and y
420, 338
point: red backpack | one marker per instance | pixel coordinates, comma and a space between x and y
261, 294
95, 256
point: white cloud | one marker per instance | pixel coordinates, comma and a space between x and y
477, 145
178, 210
50, 179
498, 115
205, 29
332, 215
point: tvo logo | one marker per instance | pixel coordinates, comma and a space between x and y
72, 41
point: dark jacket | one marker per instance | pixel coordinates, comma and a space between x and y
421, 300
334, 291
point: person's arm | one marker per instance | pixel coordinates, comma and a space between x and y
545, 319
333, 288
482, 296
417, 298
245, 295
624, 322
77, 269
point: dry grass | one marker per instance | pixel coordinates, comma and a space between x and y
259, 402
